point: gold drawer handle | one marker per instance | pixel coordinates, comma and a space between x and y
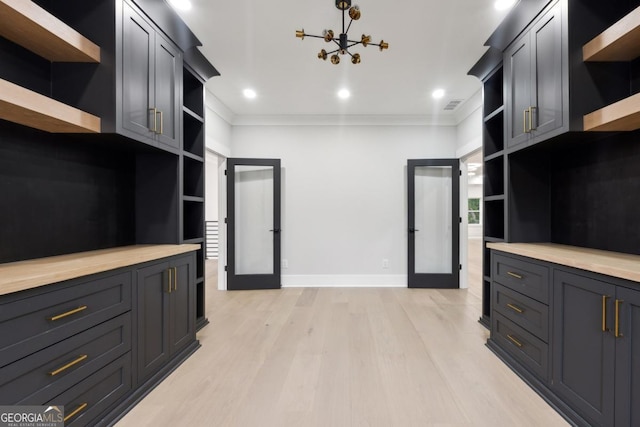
604, 312
515, 341
512, 274
76, 412
617, 331
515, 308
175, 278
68, 313
68, 365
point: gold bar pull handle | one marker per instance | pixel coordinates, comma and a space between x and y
68, 313
161, 124
515, 341
618, 334
170, 282
512, 274
531, 127
604, 312
524, 120
154, 129
76, 411
68, 365
515, 308
175, 278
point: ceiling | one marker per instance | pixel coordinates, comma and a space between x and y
432, 44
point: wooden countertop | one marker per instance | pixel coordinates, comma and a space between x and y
23, 275
624, 266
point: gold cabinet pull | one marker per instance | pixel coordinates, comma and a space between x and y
515, 341
515, 308
68, 313
604, 312
170, 283
617, 331
512, 274
68, 365
175, 278
76, 411
531, 110
524, 121
161, 124
155, 120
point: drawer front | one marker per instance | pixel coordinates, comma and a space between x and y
33, 323
525, 277
88, 399
41, 376
523, 346
525, 312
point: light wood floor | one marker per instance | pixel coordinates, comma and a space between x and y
342, 357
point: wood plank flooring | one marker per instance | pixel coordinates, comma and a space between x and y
342, 357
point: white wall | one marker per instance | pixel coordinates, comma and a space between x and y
469, 130
211, 211
344, 196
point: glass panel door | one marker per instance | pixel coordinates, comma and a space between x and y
253, 223
434, 223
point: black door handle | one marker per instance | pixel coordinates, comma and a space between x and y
413, 230
275, 230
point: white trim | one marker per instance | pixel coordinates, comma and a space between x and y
470, 147
345, 281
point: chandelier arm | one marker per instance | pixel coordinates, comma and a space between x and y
349, 27
333, 51
315, 37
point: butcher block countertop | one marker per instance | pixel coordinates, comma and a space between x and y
23, 275
615, 264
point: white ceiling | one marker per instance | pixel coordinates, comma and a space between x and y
432, 45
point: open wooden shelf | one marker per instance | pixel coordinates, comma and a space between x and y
30, 26
619, 42
23, 106
623, 115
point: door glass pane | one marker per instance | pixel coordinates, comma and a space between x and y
254, 219
433, 222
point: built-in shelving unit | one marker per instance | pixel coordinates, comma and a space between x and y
28, 108
27, 24
193, 178
618, 43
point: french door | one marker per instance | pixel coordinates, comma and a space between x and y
434, 223
253, 224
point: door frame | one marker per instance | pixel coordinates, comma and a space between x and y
436, 280
253, 281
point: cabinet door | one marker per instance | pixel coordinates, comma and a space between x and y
182, 305
168, 89
628, 358
546, 72
583, 354
517, 75
138, 38
153, 318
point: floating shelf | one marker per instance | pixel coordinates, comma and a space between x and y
33, 28
623, 115
619, 42
23, 106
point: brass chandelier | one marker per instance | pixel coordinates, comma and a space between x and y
342, 41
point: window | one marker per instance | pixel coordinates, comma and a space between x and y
474, 211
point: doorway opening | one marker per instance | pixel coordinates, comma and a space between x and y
473, 204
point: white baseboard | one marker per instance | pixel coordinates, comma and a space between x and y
345, 281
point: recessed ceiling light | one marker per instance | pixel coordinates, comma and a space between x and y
249, 93
181, 4
438, 94
504, 4
344, 94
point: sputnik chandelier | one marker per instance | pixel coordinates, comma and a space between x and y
342, 41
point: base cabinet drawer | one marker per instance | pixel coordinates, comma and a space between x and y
33, 323
532, 352
526, 277
525, 312
88, 399
41, 376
